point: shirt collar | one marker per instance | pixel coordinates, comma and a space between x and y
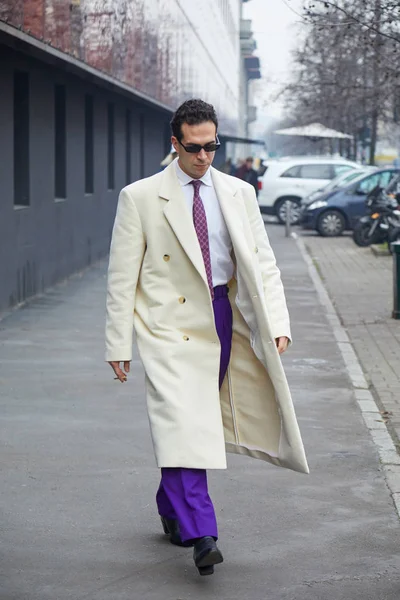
185, 179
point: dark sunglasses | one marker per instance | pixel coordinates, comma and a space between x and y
196, 148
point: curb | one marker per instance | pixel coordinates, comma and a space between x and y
388, 455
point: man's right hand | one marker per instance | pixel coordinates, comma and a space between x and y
121, 374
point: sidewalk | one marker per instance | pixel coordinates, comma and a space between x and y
78, 477
360, 285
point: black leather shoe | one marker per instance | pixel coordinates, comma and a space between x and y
206, 554
171, 528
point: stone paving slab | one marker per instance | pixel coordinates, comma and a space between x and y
360, 286
78, 478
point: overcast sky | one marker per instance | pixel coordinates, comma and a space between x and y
274, 25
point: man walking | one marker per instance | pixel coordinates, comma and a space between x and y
192, 271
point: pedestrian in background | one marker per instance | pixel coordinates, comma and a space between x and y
192, 271
227, 167
248, 174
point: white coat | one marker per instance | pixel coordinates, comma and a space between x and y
157, 286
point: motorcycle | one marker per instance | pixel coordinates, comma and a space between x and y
382, 220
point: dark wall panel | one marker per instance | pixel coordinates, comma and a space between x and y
154, 142
137, 152
53, 238
8, 262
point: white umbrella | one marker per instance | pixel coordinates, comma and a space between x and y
314, 130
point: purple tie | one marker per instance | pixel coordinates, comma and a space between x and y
200, 225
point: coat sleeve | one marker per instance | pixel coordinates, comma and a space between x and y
271, 275
126, 255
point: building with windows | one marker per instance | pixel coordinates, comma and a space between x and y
88, 89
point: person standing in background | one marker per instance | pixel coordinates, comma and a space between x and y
248, 174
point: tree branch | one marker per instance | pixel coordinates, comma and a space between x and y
355, 19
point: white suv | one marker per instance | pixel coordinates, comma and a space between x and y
288, 180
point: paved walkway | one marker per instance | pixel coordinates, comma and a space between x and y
78, 476
360, 285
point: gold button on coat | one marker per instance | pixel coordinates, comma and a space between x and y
166, 257
185, 337
182, 300
256, 249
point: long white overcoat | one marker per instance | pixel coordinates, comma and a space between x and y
157, 286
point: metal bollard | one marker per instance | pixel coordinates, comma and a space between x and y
396, 280
288, 218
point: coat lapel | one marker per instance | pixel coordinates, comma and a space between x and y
235, 215
178, 216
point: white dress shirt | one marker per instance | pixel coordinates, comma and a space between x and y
219, 239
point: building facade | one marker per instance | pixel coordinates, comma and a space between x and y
88, 88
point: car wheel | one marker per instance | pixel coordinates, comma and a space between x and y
331, 223
282, 208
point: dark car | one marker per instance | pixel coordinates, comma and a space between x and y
333, 212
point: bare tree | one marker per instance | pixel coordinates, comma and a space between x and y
388, 12
345, 71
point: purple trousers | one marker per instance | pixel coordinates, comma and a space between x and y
183, 493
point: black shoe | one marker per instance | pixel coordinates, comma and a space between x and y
206, 554
171, 528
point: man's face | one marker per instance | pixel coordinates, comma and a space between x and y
195, 165
249, 164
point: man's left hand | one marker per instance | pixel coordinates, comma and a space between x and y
282, 344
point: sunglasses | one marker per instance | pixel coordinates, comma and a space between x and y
196, 148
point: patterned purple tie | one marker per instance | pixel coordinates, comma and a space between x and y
200, 225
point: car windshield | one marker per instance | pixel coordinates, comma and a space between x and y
361, 174
343, 179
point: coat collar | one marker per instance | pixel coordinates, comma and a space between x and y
170, 183
185, 179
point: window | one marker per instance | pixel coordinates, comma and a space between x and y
21, 139
377, 179
368, 184
316, 172
128, 146
292, 172
89, 145
60, 142
339, 169
386, 178
110, 146
349, 177
262, 170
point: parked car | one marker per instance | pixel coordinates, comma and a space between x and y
288, 180
339, 182
335, 211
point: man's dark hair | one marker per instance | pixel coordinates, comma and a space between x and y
192, 112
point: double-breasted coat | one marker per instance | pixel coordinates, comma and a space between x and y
157, 286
